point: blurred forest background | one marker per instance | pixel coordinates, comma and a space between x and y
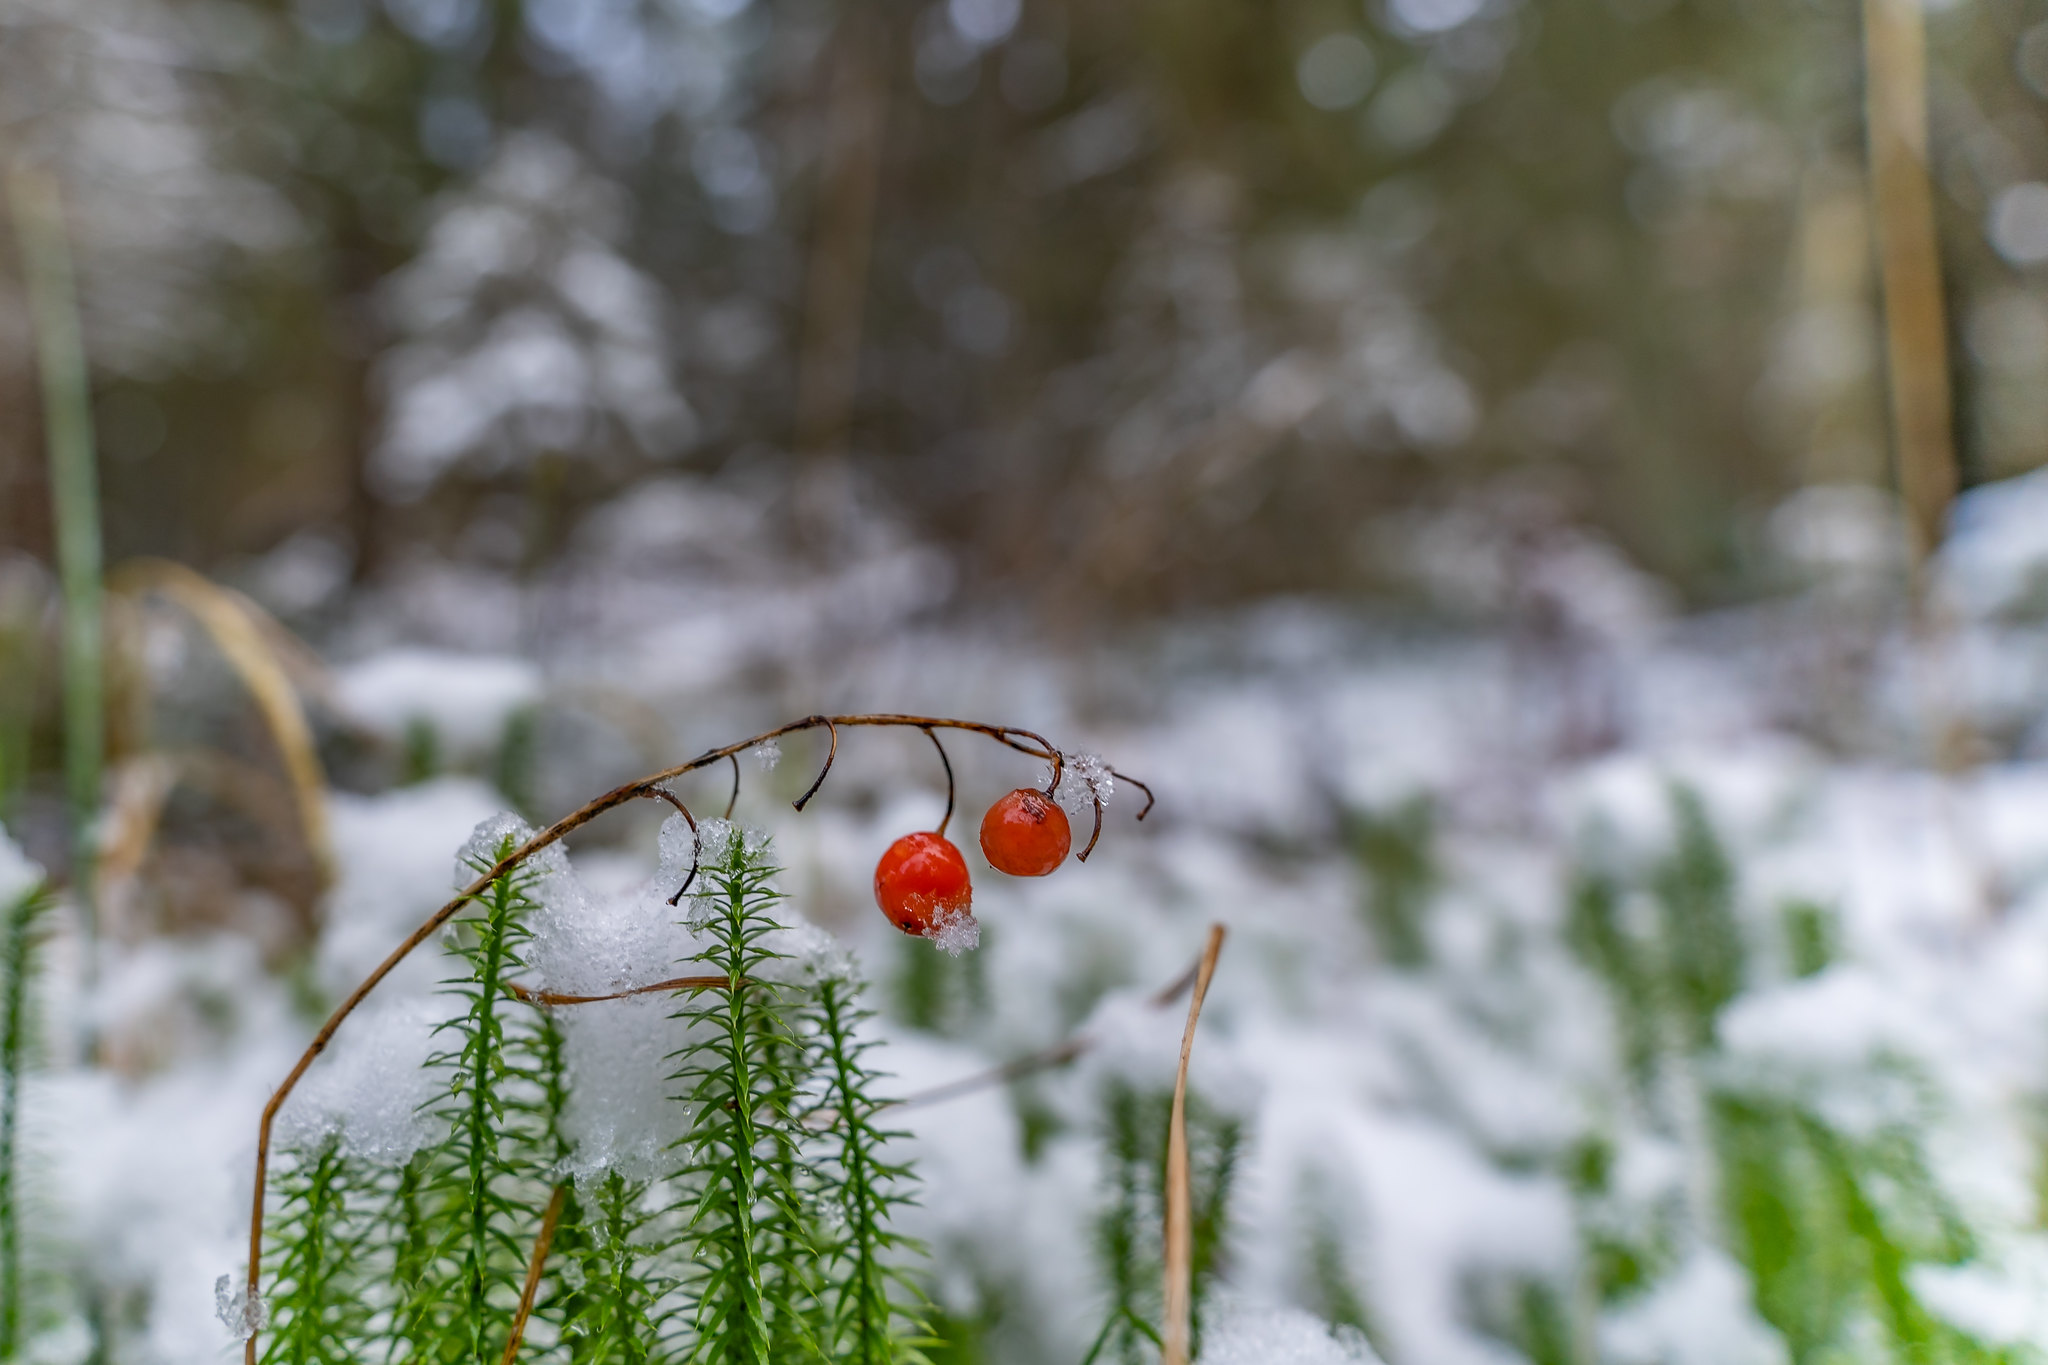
670, 344
1130, 308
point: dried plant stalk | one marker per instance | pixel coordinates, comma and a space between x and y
1180, 1238
534, 1267
236, 627
1916, 340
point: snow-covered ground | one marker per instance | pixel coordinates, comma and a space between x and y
1593, 976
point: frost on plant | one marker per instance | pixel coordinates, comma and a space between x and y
240, 1309
1282, 1336
1084, 780
955, 932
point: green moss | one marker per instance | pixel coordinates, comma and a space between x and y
1398, 855
1812, 937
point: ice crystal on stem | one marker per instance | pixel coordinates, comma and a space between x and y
1085, 778
241, 1309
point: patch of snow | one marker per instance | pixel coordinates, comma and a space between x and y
1241, 1335
464, 699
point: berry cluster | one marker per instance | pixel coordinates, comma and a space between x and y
922, 885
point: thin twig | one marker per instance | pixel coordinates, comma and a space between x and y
1059, 1054
732, 802
830, 754
533, 1270
696, 837
1180, 1239
1097, 834
1150, 799
674, 983
1026, 742
947, 763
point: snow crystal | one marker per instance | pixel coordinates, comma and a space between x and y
370, 1087
1997, 551
768, 754
392, 853
481, 850
1998, 1305
714, 840
679, 849
242, 1310
1280, 1336
806, 952
18, 873
465, 699
1839, 1018
1085, 779
1698, 1315
956, 931
619, 1116
591, 943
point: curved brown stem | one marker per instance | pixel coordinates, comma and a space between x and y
674, 983
1098, 831
1179, 1231
1150, 799
533, 1272
696, 837
731, 802
830, 754
1026, 742
947, 763
1059, 770
1059, 1054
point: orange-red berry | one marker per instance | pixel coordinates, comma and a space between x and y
1025, 834
921, 884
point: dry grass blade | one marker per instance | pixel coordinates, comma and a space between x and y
1180, 1238
1916, 328
534, 1268
134, 811
236, 627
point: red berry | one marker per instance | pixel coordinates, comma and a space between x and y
1025, 834
921, 884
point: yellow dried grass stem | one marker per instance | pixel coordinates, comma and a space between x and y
534, 1268
1916, 329
1180, 1236
240, 630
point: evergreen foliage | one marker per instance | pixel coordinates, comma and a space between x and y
745, 1229
1827, 1222
324, 1249
1396, 850
17, 954
870, 1317
481, 1185
1127, 1230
